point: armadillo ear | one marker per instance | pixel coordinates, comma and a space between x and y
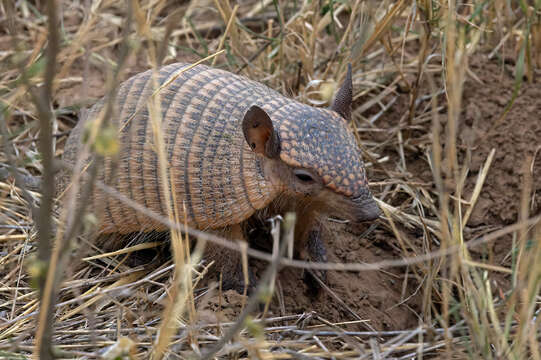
259, 132
344, 95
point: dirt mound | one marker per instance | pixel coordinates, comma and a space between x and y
373, 296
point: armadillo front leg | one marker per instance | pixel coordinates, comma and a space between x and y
309, 235
228, 263
315, 252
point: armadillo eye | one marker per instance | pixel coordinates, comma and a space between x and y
303, 175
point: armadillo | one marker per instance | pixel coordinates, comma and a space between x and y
236, 150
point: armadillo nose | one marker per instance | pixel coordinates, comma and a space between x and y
368, 210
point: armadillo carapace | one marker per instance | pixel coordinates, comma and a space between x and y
235, 149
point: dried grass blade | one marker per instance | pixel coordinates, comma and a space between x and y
384, 24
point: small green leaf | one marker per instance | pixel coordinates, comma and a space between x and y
106, 143
254, 329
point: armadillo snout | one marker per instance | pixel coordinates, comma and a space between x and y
366, 209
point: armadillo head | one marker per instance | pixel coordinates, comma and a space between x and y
313, 154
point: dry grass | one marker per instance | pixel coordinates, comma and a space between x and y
105, 308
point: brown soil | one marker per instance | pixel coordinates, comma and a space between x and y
515, 140
373, 296
385, 298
